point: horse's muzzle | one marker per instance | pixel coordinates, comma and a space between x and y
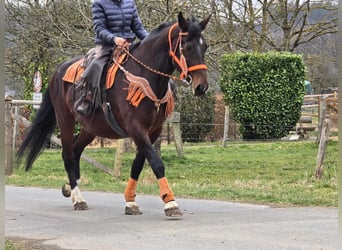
201, 89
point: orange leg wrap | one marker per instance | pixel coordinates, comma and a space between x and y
130, 190
165, 191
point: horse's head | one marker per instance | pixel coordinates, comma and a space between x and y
192, 48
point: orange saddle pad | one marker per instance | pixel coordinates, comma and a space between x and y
75, 70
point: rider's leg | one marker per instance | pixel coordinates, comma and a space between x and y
92, 75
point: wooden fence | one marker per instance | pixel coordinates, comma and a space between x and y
324, 110
319, 113
315, 110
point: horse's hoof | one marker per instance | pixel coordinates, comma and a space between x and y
82, 205
172, 210
66, 190
132, 208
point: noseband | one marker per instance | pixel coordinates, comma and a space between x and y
181, 61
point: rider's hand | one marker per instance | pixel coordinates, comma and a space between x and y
121, 42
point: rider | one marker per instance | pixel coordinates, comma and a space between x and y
116, 23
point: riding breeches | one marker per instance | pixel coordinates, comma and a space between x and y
93, 73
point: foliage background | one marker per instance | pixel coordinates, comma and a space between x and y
41, 34
196, 114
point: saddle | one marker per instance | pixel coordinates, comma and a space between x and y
75, 70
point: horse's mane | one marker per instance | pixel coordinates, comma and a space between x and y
194, 29
155, 32
134, 46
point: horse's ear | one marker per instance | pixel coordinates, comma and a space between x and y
182, 22
204, 22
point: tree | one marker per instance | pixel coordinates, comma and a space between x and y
283, 25
40, 35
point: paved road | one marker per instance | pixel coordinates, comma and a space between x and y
44, 214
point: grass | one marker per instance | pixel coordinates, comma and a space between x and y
22, 244
279, 173
11, 245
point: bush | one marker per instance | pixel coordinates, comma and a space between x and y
196, 114
264, 92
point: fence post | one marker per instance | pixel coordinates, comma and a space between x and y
15, 128
226, 125
120, 145
322, 108
9, 151
175, 124
321, 149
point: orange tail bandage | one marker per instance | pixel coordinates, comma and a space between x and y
130, 190
165, 191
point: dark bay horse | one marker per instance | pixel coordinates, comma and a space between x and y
178, 46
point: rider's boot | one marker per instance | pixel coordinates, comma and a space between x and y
92, 75
84, 108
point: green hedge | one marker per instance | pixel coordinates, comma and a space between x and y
264, 91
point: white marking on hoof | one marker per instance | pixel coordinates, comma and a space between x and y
171, 204
171, 209
76, 196
131, 204
132, 208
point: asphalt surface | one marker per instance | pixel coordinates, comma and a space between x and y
45, 216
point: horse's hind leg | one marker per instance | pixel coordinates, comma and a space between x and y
80, 142
71, 158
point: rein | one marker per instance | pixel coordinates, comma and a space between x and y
139, 87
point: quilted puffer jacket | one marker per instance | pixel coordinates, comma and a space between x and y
113, 18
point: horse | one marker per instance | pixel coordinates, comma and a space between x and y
175, 46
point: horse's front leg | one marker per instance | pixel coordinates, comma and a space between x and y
132, 208
171, 207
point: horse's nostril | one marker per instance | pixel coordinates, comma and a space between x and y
200, 90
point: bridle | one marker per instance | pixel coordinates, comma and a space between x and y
181, 61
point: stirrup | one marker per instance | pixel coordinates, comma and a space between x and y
84, 107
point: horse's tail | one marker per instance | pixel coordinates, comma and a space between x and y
39, 132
